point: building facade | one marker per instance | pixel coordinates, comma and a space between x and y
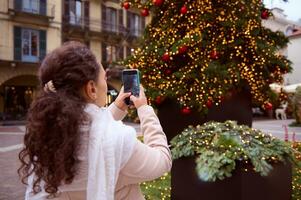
279, 22
29, 29
294, 49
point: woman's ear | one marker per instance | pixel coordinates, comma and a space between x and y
90, 90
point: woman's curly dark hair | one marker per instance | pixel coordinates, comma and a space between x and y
53, 132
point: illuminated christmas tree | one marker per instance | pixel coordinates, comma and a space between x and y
199, 52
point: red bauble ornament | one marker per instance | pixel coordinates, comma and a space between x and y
183, 10
186, 111
209, 103
214, 54
158, 2
144, 12
126, 5
168, 72
265, 14
166, 57
158, 100
268, 106
183, 49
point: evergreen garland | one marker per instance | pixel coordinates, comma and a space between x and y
218, 146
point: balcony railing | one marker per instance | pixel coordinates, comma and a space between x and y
96, 25
113, 28
33, 7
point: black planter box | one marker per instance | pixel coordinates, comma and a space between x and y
185, 183
237, 108
243, 185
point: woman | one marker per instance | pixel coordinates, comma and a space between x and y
77, 149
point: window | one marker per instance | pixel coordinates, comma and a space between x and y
135, 24
76, 12
110, 19
111, 53
30, 46
32, 6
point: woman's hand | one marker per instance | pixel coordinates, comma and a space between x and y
141, 100
119, 101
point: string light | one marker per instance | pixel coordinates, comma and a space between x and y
245, 52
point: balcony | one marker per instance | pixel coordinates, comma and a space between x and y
135, 32
83, 27
95, 26
113, 28
37, 9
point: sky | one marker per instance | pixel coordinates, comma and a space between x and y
292, 8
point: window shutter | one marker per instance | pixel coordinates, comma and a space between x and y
18, 5
142, 24
104, 52
17, 43
103, 17
128, 20
66, 14
120, 53
120, 21
128, 51
87, 13
42, 44
43, 7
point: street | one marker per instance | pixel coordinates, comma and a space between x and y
11, 142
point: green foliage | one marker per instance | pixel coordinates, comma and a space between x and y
218, 146
158, 189
297, 173
297, 105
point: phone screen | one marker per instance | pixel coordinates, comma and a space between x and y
131, 83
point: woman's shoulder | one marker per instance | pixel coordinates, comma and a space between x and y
103, 120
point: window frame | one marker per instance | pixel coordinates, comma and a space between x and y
30, 57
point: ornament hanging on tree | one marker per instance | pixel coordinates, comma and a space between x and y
158, 2
144, 12
209, 103
186, 111
183, 49
265, 14
166, 57
126, 5
183, 10
268, 106
214, 55
168, 72
159, 100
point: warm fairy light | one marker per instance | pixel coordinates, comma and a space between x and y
223, 50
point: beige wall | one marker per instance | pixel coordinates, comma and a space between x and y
95, 15
8, 72
54, 32
294, 49
6, 40
95, 46
7, 26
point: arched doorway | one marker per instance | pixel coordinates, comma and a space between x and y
16, 95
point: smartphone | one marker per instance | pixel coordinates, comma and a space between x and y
131, 83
